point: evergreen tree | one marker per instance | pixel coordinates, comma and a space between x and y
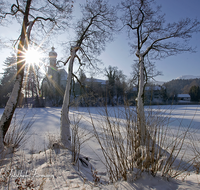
1, 101
164, 94
194, 93
82, 79
8, 79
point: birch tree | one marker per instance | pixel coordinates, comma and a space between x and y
93, 30
33, 13
155, 38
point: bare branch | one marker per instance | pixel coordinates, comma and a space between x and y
14, 10
78, 80
67, 60
60, 8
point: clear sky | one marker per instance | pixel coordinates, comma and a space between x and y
118, 54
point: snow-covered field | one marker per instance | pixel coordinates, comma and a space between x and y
54, 169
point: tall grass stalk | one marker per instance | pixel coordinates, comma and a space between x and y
16, 135
117, 135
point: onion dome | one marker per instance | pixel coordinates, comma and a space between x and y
52, 53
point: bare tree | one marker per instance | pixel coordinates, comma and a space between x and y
121, 86
33, 13
150, 72
111, 79
116, 85
155, 39
93, 30
31, 84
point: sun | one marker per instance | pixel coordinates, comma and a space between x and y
32, 56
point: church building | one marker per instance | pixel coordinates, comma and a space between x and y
53, 85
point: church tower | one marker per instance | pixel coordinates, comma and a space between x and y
52, 69
53, 85
52, 57
53, 77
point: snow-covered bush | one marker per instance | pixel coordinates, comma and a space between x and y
117, 134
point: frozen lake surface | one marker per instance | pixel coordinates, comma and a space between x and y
46, 125
47, 120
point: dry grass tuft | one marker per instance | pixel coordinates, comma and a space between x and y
117, 135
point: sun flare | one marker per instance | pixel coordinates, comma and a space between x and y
32, 56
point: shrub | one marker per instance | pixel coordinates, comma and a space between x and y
117, 135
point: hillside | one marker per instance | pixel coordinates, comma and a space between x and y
180, 86
188, 77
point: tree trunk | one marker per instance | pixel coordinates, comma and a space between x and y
140, 104
65, 122
13, 100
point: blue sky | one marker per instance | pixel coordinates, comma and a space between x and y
118, 54
186, 63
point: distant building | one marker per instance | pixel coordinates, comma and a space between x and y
53, 85
153, 94
97, 81
183, 97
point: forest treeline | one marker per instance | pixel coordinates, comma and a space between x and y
180, 86
114, 90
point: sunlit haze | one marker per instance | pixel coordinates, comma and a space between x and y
32, 56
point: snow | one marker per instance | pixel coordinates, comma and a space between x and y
188, 77
160, 83
101, 81
183, 95
53, 168
153, 88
